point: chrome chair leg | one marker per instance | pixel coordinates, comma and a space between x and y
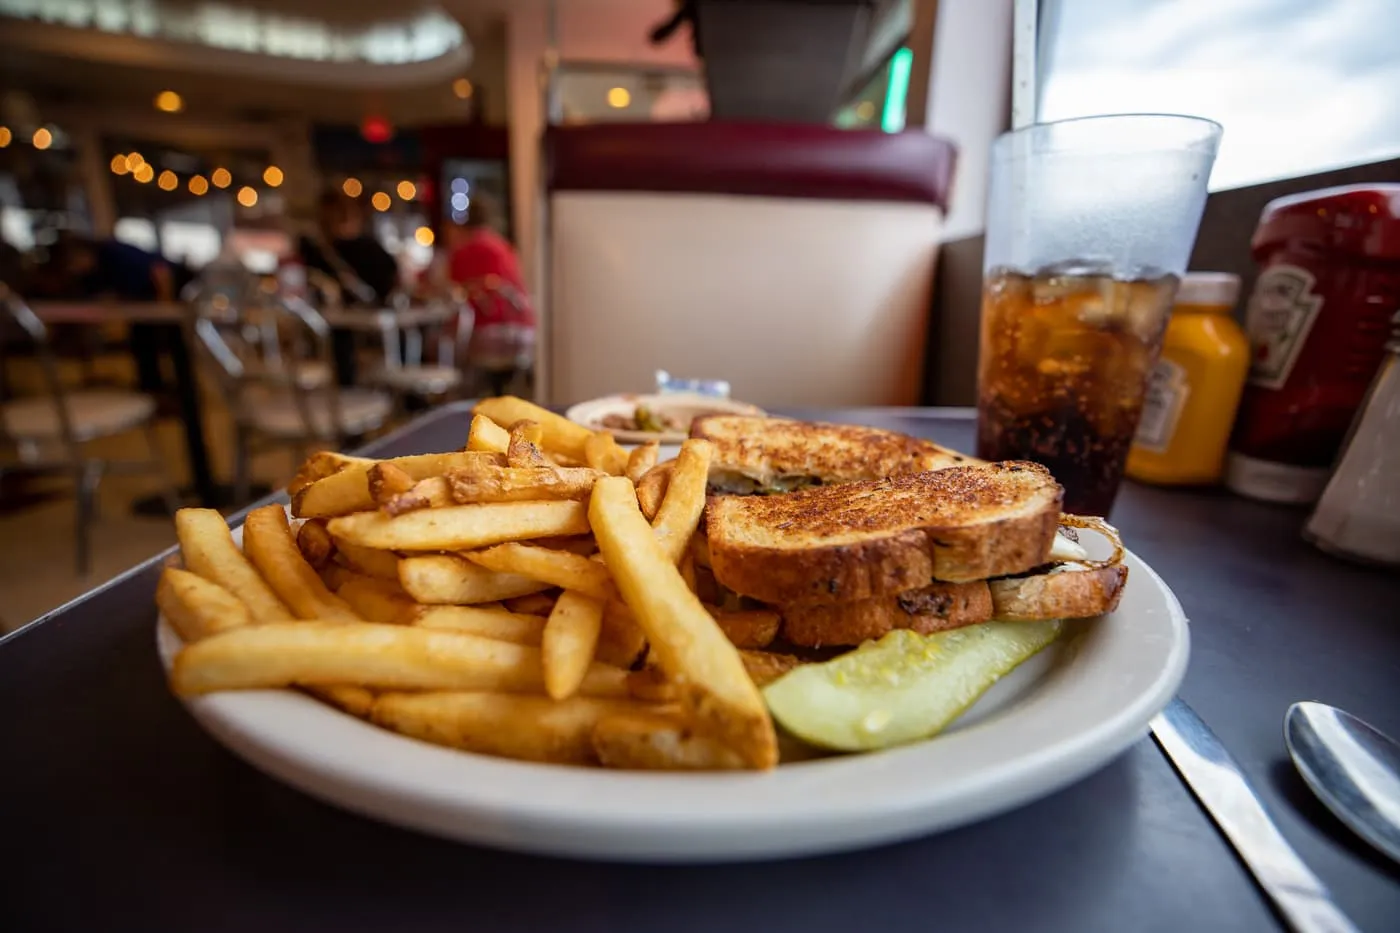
169, 491
242, 455
86, 477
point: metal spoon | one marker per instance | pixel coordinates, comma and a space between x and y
1352, 767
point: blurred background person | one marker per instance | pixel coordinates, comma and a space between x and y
485, 265
342, 248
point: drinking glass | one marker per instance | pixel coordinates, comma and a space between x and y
1090, 224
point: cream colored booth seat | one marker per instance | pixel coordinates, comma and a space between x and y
795, 299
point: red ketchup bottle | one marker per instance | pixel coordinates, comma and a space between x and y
1317, 320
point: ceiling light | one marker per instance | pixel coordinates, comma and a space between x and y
423, 236
352, 187
5, 136
43, 139
168, 181
462, 88
143, 173
407, 190
169, 102
381, 201
619, 97
135, 160
199, 186
120, 166
247, 196
273, 176
221, 177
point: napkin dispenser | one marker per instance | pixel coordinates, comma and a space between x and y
1358, 516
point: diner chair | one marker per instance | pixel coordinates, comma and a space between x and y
501, 351
50, 433
795, 261
272, 361
406, 375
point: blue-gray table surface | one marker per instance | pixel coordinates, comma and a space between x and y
117, 812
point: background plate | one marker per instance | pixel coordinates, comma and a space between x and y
1057, 718
590, 414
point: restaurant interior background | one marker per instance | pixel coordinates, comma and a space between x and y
206, 132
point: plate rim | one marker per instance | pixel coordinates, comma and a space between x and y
577, 413
530, 807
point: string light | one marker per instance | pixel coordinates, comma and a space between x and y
221, 177
5, 136
462, 88
169, 102
273, 176
380, 201
135, 160
43, 139
352, 187
167, 181
199, 186
619, 97
423, 236
143, 173
120, 166
247, 196
407, 190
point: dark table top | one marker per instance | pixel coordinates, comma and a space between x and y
117, 812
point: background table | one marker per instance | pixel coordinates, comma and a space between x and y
118, 812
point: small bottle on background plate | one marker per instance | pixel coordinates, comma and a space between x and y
1194, 389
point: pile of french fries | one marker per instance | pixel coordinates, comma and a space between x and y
532, 596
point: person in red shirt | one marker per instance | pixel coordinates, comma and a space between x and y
487, 268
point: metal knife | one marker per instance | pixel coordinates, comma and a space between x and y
1220, 786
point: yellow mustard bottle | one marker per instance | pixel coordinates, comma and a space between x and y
1195, 387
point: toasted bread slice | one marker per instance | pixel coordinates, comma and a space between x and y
929, 609
1067, 592
755, 454
884, 537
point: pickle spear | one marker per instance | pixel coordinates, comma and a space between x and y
902, 688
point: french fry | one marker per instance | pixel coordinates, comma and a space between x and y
461, 527
387, 481
376, 600
377, 657
502, 724
367, 560
569, 642
603, 454
195, 607
534, 604
431, 493
641, 459
524, 450
767, 666
446, 579
314, 542
620, 629
208, 550
487, 435
560, 434
498, 623
574, 544
319, 465
649, 741
687, 569
752, 628
357, 701
680, 511
512, 484
651, 685
651, 490
557, 568
347, 490
684, 639
267, 540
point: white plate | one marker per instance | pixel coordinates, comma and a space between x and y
1056, 719
590, 414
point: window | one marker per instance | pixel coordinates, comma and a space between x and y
194, 244
138, 231
1300, 86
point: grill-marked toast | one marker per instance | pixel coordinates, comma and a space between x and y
768, 455
882, 537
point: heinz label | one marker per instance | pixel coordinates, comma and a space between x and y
1281, 311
